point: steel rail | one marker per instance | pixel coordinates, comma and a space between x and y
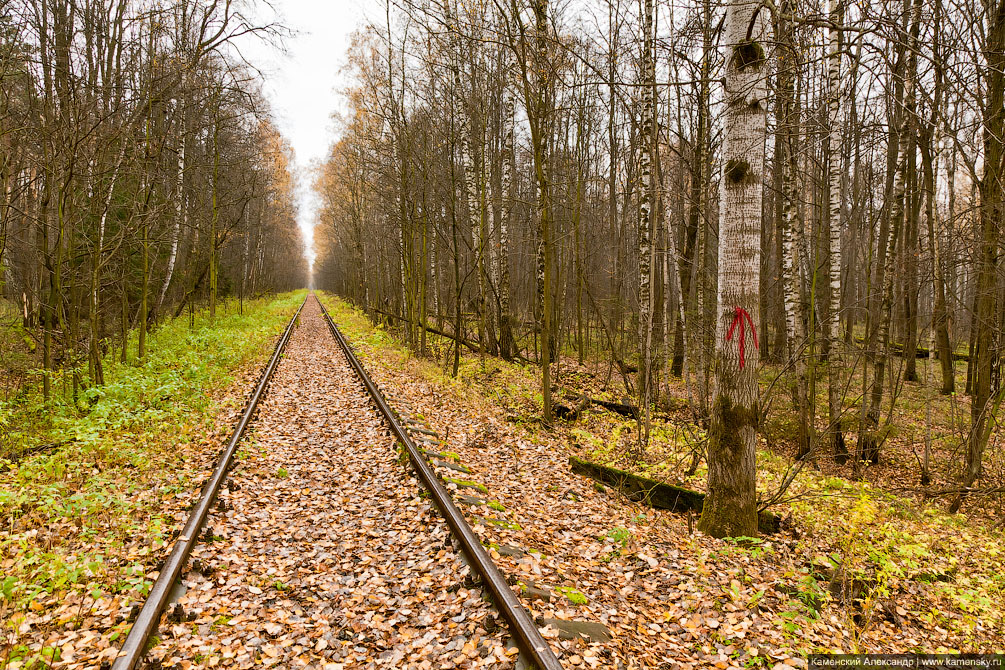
526, 634
134, 648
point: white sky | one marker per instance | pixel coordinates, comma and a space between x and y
304, 84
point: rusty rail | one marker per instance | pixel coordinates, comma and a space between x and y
522, 627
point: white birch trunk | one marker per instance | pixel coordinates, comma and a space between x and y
434, 276
179, 219
673, 277
491, 272
470, 183
833, 321
645, 218
793, 236
506, 207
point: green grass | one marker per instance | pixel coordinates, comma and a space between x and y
71, 512
619, 535
572, 595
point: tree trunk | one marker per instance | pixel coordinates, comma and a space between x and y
508, 167
792, 226
910, 256
730, 508
992, 211
832, 324
901, 125
215, 216
181, 210
646, 141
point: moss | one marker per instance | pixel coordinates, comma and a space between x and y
501, 523
402, 457
467, 483
727, 509
572, 595
727, 422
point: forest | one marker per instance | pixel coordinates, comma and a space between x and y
141, 173
699, 198
595, 334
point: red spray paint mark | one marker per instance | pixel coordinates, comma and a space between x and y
741, 316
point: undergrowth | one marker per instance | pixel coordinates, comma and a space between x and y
85, 514
946, 569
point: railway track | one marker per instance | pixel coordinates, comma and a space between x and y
318, 549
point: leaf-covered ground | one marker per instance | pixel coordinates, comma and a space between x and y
323, 552
858, 569
85, 524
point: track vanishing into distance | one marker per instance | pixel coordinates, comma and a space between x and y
314, 545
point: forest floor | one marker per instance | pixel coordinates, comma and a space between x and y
860, 565
323, 551
88, 516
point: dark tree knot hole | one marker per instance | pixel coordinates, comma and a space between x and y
747, 54
736, 170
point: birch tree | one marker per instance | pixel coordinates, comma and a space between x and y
647, 80
833, 321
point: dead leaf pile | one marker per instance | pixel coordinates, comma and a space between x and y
671, 599
325, 554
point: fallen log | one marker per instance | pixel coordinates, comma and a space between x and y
473, 346
567, 413
657, 494
17, 457
624, 409
573, 412
897, 348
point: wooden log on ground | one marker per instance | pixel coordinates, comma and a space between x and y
17, 457
897, 348
572, 413
624, 409
473, 346
657, 494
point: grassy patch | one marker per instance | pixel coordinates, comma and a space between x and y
572, 595
462, 483
500, 523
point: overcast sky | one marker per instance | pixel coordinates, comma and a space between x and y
304, 84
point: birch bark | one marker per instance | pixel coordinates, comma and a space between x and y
792, 224
181, 210
508, 166
832, 322
645, 220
